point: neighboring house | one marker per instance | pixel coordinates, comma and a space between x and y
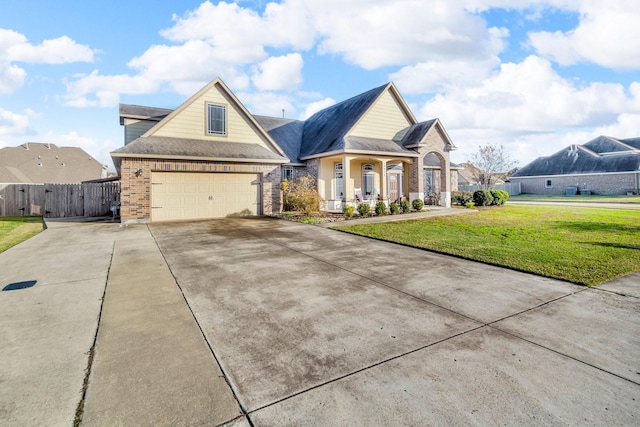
38, 163
603, 165
212, 158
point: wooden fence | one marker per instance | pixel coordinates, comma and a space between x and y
59, 200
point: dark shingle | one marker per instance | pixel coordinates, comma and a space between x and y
179, 147
287, 133
140, 111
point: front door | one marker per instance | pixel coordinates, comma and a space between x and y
393, 187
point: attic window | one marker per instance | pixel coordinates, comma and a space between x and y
216, 119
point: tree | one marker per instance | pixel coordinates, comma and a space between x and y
491, 163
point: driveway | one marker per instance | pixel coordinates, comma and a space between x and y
316, 327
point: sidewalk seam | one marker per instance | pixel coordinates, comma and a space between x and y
213, 353
85, 384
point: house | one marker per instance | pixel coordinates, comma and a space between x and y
38, 163
604, 165
210, 157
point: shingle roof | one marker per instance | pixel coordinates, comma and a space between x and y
47, 163
286, 132
375, 144
414, 133
140, 111
160, 146
325, 130
577, 159
605, 144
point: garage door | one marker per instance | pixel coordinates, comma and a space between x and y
179, 195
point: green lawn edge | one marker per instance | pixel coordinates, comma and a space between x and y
15, 230
588, 246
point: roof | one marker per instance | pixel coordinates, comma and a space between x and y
142, 112
166, 147
286, 132
600, 155
41, 163
414, 133
325, 130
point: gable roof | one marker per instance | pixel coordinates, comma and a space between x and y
41, 163
141, 112
600, 155
286, 132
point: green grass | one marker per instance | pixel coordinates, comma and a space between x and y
586, 246
577, 199
16, 229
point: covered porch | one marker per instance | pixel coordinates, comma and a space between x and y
357, 178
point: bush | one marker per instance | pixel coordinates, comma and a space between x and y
393, 208
381, 209
482, 198
363, 209
461, 198
417, 204
348, 210
405, 206
469, 205
300, 195
500, 197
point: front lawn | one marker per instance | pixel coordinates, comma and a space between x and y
585, 246
594, 198
16, 229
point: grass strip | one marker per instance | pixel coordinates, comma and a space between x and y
14, 230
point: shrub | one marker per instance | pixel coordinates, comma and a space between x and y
417, 204
363, 209
348, 210
469, 205
381, 209
461, 198
393, 208
500, 197
482, 198
300, 195
405, 205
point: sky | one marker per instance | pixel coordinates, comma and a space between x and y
533, 76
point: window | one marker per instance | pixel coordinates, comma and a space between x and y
428, 181
216, 119
368, 177
548, 183
287, 173
339, 180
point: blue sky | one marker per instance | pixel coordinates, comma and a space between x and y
534, 76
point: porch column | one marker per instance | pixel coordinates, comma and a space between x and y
349, 193
383, 178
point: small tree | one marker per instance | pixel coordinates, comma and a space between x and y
491, 163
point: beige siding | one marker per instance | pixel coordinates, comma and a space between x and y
383, 120
191, 121
133, 129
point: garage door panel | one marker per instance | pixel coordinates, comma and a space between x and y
184, 195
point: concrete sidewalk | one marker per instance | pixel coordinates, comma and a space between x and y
151, 364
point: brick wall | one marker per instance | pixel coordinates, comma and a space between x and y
598, 184
135, 194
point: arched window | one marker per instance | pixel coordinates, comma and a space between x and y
368, 179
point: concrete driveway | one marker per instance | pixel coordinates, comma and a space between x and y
315, 327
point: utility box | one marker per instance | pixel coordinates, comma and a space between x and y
571, 191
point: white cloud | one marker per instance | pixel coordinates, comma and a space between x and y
279, 73
268, 103
15, 47
15, 124
314, 107
533, 111
95, 90
604, 36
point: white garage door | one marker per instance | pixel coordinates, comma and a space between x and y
181, 195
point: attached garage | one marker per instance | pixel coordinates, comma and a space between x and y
191, 195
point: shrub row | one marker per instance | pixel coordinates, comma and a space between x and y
490, 197
381, 209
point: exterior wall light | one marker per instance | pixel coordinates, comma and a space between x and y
139, 172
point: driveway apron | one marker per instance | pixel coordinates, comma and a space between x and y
316, 327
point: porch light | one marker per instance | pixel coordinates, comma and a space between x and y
139, 172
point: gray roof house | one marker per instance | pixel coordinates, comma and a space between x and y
39, 163
211, 157
604, 165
